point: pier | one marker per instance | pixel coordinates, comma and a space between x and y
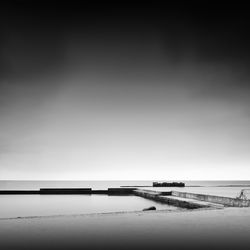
225, 201
168, 198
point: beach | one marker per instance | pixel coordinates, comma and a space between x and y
193, 229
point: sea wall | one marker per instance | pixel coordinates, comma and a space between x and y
69, 191
168, 199
65, 191
226, 201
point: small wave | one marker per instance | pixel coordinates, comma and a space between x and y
89, 214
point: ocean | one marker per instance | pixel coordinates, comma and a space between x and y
29, 185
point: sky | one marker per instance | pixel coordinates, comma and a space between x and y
135, 92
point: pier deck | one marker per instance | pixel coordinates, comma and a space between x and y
166, 197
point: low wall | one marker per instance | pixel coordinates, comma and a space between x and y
154, 191
110, 191
68, 191
65, 191
157, 196
120, 191
226, 201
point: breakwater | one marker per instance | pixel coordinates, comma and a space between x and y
225, 201
166, 197
69, 191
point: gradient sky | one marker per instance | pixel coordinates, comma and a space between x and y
124, 92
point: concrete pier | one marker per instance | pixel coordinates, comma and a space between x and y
225, 201
166, 197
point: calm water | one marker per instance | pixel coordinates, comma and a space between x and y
43, 205
107, 184
48, 205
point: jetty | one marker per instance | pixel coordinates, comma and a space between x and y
69, 191
192, 200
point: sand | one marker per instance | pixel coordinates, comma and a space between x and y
227, 228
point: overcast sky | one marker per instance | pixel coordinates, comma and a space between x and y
124, 92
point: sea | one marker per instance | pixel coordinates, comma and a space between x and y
25, 206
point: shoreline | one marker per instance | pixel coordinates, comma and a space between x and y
191, 229
137, 212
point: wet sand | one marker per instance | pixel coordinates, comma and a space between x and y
228, 228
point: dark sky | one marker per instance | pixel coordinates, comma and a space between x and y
124, 91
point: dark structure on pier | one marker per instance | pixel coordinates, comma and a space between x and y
168, 184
